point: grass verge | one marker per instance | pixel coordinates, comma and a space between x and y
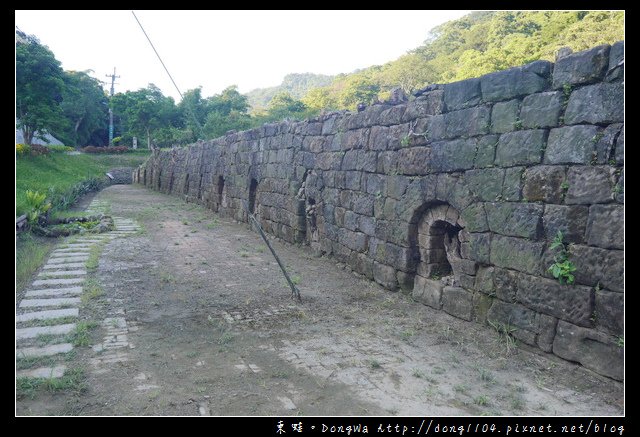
31, 252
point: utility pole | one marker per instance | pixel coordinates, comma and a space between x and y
113, 81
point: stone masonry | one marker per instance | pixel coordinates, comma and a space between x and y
453, 197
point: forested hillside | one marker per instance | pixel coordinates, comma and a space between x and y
296, 85
73, 106
476, 44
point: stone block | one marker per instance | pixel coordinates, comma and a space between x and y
484, 280
571, 145
414, 161
452, 155
521, 147
512, 187
570, 220
595, 265
428, 291
541, 110
504, 116
616, 62
544, 183
605, 227
486, 184
606, 143
573, 303
515, 219
385, 276
594, 350
480, 247
486, 151
462, 94
457, 302
480, 307
516, 82
588, 185
516, 253
581, 68
467, 122
601, 103
475, 218
609, 311
506, 284
519, 320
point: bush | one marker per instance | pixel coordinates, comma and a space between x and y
22, 149
37, 150
94, 149
60, 148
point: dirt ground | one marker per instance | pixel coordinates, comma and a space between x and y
211, 330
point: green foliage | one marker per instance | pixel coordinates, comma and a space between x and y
39, 86
296, 85
65, 177
37, 205
562, 269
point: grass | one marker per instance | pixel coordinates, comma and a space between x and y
94, 257
73, 380
92, 290
82, 335
49, 322
375, 364
31, 252
57, 173
481, 400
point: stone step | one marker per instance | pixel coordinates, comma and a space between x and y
48, 314
31, 303
42, 372
68, 254
23, 333
54, 292
72, 249
65, 281
49, 273
77, 245
60, 266
45, 351
68, 260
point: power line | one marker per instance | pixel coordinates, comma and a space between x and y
195, 119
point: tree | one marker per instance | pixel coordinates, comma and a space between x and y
39, 86
86, 107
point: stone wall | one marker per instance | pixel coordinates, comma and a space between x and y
453, 197
121, 175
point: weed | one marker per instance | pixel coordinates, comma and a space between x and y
418, 373
31, 362
518, 124
485, 375
517, 404
460, 388
438, 370
94, 257
562, 269
405, 141
296, 279
225, 338
48, 322
92, 290
375, 364
73, 380
31, 252
407, 334
261, 249
244, 254
620, 341
280, 374
481, 400
166, 277
82, 334
505, 330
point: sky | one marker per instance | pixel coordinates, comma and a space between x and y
216, 49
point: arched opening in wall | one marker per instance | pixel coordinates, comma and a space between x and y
200, 187
221, 193
253, 188
434, 235
185, 189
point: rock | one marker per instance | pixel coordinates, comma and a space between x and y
385, 276
581, 68
486, 184
428, 291
544, 183
466, 122
512, 187
459, 95
588, 185
521, 147
616, 62
479, 247
605, 227
475, 218
609, 311
570, 220
572, 303
606, 143
519, 321
486, 151
504, 116
571, 145
515, 219
541, 110
601, 103
452, 155
457, 302
516, 253
515, 82
595, 265
593, 349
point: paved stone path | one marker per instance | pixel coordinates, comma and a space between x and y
46, 318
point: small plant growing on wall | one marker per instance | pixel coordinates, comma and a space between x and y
562, 269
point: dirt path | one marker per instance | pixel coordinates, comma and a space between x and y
206, 327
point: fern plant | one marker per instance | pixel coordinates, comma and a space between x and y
38, 205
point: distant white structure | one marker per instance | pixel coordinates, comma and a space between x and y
49, 140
